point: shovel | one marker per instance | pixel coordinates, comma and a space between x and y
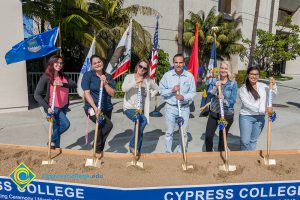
225, 167
95, 162
184, 165
135, 161
50, 118
267, 159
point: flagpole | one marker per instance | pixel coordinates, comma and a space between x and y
155, 112
59, 39
154, 56
214, 29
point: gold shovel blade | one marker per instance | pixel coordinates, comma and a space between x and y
93, 163
230, 168
269, 161
135, 163
48, 162
186, 166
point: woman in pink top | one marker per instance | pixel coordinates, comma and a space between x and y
54, 76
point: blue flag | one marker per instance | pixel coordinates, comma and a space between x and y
33, 47
86, 67
211, 72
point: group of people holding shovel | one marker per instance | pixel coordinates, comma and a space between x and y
178, 89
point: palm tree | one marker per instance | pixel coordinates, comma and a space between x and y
74, 20
180, 26
113, 13
254, 33
271, 16
227, 36
81, 20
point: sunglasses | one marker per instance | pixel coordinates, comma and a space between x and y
60, 63
142, 67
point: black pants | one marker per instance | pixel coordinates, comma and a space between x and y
211, 127
103, 130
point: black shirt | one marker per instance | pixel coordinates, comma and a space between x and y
90, 81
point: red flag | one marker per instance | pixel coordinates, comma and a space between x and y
193, 63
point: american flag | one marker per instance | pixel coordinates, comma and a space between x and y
154, 53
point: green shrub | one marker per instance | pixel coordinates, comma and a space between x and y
118, 86
240, 77
201, 87
262, 74
119, 94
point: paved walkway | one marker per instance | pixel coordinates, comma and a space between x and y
31, 128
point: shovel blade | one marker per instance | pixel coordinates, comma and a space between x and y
228, 168
269, 161
48, 162
186, 166
93, 163
135, 163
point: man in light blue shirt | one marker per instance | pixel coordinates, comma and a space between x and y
182, 81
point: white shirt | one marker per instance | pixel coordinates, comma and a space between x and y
149, 88
250, 106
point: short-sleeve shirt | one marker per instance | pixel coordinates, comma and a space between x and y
91, 82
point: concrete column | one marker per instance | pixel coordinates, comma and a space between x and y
13, 78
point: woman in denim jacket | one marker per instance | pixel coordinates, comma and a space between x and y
229, 93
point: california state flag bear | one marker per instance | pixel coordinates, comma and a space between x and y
120, 61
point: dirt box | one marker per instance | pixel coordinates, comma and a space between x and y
159, 169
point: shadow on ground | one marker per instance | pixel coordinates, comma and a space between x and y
233, 142
293, 104
118, 142
150, 140
81, 142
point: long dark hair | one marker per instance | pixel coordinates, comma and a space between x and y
49, 71
248, 84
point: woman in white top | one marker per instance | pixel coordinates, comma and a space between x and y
130, 87
253, 95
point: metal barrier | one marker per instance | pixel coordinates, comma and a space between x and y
34, 77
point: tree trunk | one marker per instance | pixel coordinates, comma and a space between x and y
180, 26
271, 16
254, 33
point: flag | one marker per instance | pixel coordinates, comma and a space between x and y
212, 66
120, 61
193, 63
211, 72
33, 47
86, 67
154, 53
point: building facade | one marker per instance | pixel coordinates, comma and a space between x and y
168, 23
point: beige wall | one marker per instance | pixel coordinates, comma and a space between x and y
169, 21
13, 81
293, 66
247, 10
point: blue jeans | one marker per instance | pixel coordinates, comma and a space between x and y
251, 127
60, 124
142, 124
171, 114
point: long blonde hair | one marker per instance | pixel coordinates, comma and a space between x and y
231, 75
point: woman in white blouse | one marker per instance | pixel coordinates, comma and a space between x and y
254, 98
130, 87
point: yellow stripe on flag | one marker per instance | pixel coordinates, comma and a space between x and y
204, 94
